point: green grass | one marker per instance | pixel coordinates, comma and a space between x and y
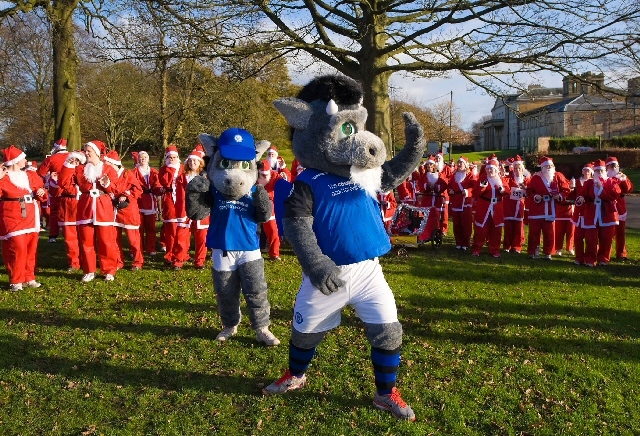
508, 346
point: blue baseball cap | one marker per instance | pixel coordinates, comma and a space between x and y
237, 144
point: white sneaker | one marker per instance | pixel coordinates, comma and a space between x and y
572, 252
109, 277
33, 284
88, 277
14, 287
153, 253
265, 336
559, 253
226, 333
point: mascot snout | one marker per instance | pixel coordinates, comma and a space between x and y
364, 150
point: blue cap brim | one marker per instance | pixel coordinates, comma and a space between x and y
236, 152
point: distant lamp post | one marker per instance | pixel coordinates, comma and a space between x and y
450, 126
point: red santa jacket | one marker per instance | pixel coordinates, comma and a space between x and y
460, 189
407, 192
53, 163
95, 204
513, 206
564, 207
599, 204
388, 205
173, 205
545, 207
488, 201
578, 209
432, 194
181, 186
128, 186
621, 204
19, 211
150, 184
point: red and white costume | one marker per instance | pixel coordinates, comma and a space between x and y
149, 181
564, 227
95, 217
460, 189
270, 227
626, 187
174, 214
578, 214
53, 164
407, 192
388, 206
544, 190
514, 208
488, 209
283, 172
19, 218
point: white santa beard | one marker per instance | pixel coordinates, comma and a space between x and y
432, 177
20, 179
144, 170
273, 161
368, 179
92, 172
459, 176
548, 174
440, 166
519, 179
494, 181
613, 172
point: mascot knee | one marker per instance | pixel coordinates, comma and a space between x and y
306, 341
384, 336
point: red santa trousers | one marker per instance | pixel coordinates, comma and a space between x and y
19, 256
273, 239
536, 226
133, 236
179, 244
578, 243
564, 229
70, 234
148, 232
606, 234
54, 207
169, 234
102, 238
200, 239
462, 226
490, 233
513, 235
621, 240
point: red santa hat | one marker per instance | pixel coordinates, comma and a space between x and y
281, 162
113, 158
197, 153
136, 157
264, 167
439, 154
78, 155
588, 166
544, 161
431, 159
171, 150
60, 144
611, 160
517, 160
272, 149
599, 165
98, 147
12, 155
492, 162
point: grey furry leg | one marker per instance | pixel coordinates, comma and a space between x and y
384, 336
254, 288
226, 285
306, 340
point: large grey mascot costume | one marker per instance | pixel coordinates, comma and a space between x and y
333, 221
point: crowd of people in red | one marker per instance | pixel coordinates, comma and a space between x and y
491, 205
90, 200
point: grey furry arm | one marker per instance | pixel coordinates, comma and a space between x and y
199, 199
262, 205
396, 170
321, 270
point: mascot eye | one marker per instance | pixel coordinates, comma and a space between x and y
245, 164
225, 164
347, 129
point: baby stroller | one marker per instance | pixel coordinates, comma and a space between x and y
423, 222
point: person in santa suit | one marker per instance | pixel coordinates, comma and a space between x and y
460, 189
283, 171
545, 189
296, 170
626, 187
433, 192
272, 157
488, 193
444, 170
564, 227
53, 164
193, 166
388, 206
19, 218
407, 192
513, 206
127, 212
600, 216
96, 214
149, 180
578, 214
268, 178
175, 228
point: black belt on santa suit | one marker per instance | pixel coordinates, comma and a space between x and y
23, 203
492, 200
94, 193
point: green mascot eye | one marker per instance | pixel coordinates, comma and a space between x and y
346, 129
225, 164
245, 165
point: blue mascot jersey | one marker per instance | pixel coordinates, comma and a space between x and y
346, 220
233, 226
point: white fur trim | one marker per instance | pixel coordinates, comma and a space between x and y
95, 147
15, 160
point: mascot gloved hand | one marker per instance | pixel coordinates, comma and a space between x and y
332, 220
236, 206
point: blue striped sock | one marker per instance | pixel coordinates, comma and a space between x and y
385, 368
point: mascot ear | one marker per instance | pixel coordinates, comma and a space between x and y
209, 143
261, 147
297, 112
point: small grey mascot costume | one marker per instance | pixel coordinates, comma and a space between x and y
333, 222
236, 205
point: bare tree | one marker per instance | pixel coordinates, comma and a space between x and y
487, 41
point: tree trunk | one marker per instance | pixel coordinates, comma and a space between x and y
65, 74
164, 96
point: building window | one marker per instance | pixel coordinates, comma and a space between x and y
599, 117
577, 119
